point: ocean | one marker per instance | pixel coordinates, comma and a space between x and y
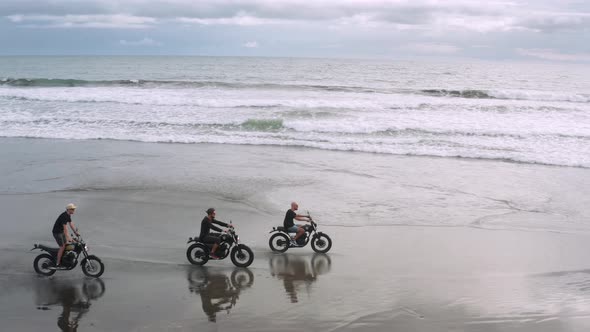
517, 112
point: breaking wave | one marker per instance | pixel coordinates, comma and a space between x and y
457, 93
512, 94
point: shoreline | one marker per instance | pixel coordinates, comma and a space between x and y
303, 147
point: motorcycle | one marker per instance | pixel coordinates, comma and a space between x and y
281, 241
241, 255
44, 264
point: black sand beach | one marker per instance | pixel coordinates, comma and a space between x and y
420, 244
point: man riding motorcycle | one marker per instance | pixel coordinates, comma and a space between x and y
290, 226
60, 231
206, 236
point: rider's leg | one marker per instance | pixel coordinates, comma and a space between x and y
60, 253
61, 242
300, 232
292, 229
216, 240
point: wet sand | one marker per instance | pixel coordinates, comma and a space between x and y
411, 279
379, 275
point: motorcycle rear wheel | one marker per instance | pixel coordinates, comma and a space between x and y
92, 266
279, 242
197, 254
42, 263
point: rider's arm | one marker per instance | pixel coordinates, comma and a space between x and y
215, 228
302, 218
67, 234
74, 228
221, 223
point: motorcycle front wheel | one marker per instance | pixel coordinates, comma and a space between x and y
197, 254
321, 243
92, 266
93, 288
321, 263
279, 242
43, 263
242, 256
242, 278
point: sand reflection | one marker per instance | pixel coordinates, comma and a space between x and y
74, 296
218, 290
298, 272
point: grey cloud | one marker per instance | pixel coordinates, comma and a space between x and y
142, 42
82, 21
251, 44
544, 16
286, 9
58, 7
416, 13
553, 22
550, 54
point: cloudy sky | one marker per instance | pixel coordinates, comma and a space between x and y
547, 30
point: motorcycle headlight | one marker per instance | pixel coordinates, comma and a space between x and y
86, 247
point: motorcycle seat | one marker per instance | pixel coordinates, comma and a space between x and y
281, 229
46, 248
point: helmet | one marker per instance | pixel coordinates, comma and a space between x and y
210, 210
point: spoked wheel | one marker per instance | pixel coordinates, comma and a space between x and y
242, 256
279, 263
242, 278
92, 266
321, 243
279, 242
197, 254
93, 288
321, 263
43, 263
197, 279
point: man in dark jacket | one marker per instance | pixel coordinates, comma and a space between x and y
206, 236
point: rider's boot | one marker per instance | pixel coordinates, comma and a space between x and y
55, 267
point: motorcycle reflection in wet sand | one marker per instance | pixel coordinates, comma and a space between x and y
217, 290
298, 270
73, 295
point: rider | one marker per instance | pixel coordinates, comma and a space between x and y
290, 226
206, 226
60, 230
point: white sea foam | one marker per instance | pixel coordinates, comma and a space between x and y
540, 95
526, 120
